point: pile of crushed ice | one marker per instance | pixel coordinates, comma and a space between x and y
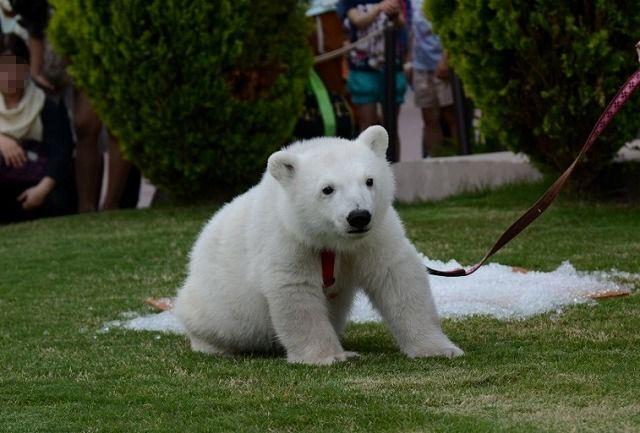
494, 290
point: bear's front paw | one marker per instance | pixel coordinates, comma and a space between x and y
449, 351
318, 359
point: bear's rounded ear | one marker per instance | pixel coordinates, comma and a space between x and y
376, 138
282, 166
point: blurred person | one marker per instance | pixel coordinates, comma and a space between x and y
30, 18
36, 169
89, 161
428, 70
366, 81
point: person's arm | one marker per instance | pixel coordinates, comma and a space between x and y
36, 50
398, 19
58, 146
362, 20
407, 65
56, 140
393, 9
442, 69
11, 152
32, 198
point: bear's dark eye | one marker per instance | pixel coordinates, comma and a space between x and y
327, 190
370, 182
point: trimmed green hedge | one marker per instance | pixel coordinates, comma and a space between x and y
198, 92
542, 71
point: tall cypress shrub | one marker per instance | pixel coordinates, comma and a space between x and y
542, 71
199, 92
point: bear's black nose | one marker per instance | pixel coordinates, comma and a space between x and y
359, 219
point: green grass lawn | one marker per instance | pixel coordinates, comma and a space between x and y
61, 279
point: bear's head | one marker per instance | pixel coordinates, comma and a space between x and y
336, 191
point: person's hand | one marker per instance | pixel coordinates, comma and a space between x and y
390, 7
12, 153
32, 198
408, 72
442, 69
42, 82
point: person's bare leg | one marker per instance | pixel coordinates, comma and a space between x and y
87, 164
117, 178
367, 115
432, 133
449, 116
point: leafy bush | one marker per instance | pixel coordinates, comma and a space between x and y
198, 93
542, 71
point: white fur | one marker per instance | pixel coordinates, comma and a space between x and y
255, 279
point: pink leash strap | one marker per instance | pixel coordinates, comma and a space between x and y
550, 195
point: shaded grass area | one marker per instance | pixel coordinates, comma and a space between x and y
62, 279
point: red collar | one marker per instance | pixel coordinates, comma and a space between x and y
328, 259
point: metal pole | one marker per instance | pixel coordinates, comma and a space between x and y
389, 105
461, 114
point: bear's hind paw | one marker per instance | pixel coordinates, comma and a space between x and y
446, 352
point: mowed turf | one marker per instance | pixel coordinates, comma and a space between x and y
62, 279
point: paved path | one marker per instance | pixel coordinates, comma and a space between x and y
410, 130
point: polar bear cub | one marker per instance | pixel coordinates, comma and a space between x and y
255, 280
